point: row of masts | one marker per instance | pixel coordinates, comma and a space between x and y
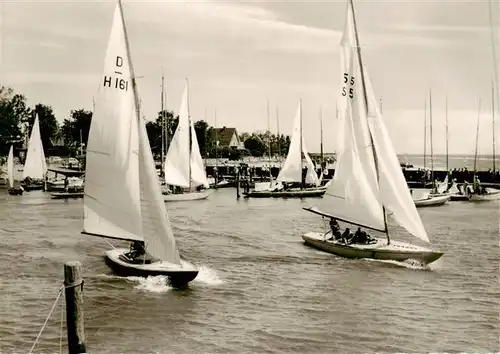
447, 139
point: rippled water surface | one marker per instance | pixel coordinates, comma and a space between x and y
260, 289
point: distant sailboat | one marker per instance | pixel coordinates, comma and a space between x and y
10, 174
122, 191
292, 169
35, 166
184, 167
368, 178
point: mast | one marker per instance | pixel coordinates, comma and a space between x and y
493, 122
162, 127
365, 100
190, 135
301, 168
477, 139
216, 146
425, 141
321, 132
166, 124
432, 151
131, 66
278, 133
447, 159
269, 143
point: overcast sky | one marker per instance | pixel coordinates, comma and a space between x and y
237, 54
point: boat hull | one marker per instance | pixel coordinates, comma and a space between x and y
33, 187
491, 194
305, 193
183, 197
459, 197
177, 276
396, 251
434, 201
14, 191
64, 195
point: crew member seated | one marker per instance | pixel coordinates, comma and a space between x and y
334, 229
346, 236
136, 250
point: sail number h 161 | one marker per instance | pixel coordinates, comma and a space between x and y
117, 82
349, 81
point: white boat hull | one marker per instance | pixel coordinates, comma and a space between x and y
396, 251
178, 276
433, 201
204, 194
491, 194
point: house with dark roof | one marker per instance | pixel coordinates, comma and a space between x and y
227, 137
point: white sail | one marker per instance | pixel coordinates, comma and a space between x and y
198, 172
394, 191
10, 167
112, 197
311, 175
292, 168
158, 236
353, 194
178, 155
35, 165
443, 186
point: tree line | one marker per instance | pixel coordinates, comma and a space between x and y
70, 137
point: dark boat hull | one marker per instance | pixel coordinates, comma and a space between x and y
68, 195
178, 278
13, 191
305, 193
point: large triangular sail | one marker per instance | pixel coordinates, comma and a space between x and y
353, 194
177, 162
10, 167
394, 191
292, 168
122, 193
112, 205
198, 172
35, 165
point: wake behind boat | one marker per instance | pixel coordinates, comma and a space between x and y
122, 191
368, 178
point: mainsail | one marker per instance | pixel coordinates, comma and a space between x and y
292, 168
183, 164
10, 167
122, 196
359, 193
35, 165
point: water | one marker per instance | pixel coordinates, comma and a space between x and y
260, 289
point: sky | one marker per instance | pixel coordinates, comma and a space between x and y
238, 55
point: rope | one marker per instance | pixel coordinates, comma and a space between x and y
73, 285
47, 319
61, 330
109, 243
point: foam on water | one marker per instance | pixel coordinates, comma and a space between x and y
156, 284
208, 276
410, 264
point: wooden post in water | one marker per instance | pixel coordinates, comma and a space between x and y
237, 183
73, 284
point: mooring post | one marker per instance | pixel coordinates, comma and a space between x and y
73, 283
237, 183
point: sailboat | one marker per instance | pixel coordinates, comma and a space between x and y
35, 166
432, 198
10, 174
292, 170
479, 193
122, 192
368, 184
184, 167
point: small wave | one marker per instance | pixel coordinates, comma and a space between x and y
156, 284
410, 263
208, 276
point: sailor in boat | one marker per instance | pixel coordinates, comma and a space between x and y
335, 230
137, 254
